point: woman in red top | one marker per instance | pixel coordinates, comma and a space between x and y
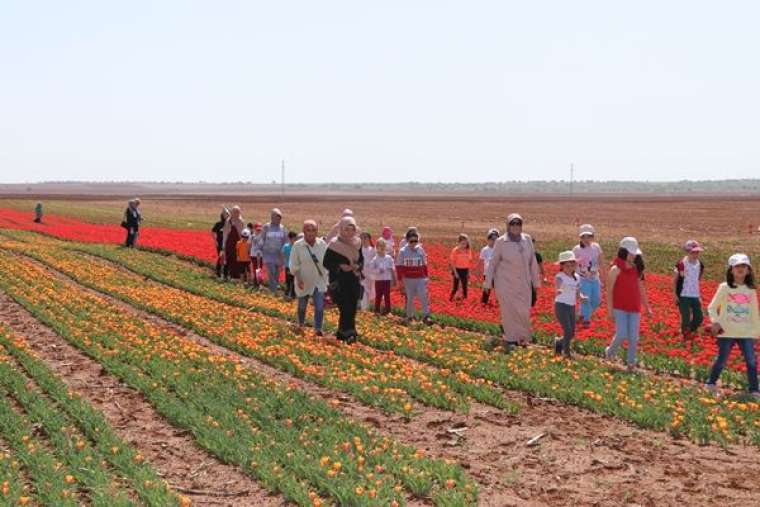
459, 264
625, 296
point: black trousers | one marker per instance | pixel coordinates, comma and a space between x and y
290, 284
461, 276
131, 237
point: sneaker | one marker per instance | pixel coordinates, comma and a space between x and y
712, 388
557, 344
318, 332
631, 368
585, 324
427, 320
607, 354
755, 395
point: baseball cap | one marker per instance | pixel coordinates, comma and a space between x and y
246, 233
493, 233
631, 244
693, 246
566, 256
514, 217
738, 259
586, 230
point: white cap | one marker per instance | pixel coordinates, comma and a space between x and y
566, 256
630, 244
586, 230
738, 259
246, 233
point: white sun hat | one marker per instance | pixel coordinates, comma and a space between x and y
738, 259
246, 233
566, 256
586, 230
631, 244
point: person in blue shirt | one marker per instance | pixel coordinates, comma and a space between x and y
290, 289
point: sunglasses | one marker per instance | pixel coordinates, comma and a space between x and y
515, 222
413, 241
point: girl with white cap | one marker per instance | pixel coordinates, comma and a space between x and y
514, 271
626, 295
736, 320
589, 263
568, 289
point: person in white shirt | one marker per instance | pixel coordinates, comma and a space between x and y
485, 257
383, 272
311, 278
567, 283
368, 283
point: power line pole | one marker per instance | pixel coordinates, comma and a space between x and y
282, 178
572, 175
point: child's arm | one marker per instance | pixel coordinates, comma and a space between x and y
676, 276
611, 278
715, 308
603, 267
644, 297
754, 312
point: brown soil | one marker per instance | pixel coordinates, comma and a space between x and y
171, 450
582, 459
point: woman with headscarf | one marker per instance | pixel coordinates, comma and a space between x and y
232, 232
344, 262
335, 229
513, 271
132, 219
217, 232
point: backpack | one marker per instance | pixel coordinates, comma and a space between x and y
681, 268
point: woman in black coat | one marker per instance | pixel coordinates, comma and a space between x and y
132, 219
344, 261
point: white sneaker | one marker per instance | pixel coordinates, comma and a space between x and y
712, 388
607, 354
755, 395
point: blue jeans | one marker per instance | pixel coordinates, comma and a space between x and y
319, 308
747, 346
273, 275
626, 328
591, 288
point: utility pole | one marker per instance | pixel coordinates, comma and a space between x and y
282, 178
572, 174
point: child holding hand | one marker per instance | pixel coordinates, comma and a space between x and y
568, 291
383, 274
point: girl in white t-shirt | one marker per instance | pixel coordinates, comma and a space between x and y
383, 269
567, 283
485, 258
368, 283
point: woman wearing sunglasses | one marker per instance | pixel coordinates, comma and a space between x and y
513, 271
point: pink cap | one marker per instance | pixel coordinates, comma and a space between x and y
693, 246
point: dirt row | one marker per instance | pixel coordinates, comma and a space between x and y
581, 459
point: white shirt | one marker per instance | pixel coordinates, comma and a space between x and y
256, 245
485, 255
382, 267
567, 292
368, 253
690, 279
588, 260
313, 274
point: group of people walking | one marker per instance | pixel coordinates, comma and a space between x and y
347, 267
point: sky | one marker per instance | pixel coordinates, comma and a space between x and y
357, 91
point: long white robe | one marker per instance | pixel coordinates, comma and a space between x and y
514, 270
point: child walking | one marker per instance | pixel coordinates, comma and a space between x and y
485, 257
384, 276
590, 262
412, 271
626, 295
567, 283
257, 263
736, 320
459, 264
243, 249
368, 284
290, 289
686, 277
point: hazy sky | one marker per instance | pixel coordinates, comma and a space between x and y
378, 91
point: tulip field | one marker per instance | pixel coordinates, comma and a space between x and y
408, 415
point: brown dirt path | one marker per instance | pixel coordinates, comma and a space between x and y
171, 450
583, 459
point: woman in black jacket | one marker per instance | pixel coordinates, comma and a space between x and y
132, 219
344, 261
